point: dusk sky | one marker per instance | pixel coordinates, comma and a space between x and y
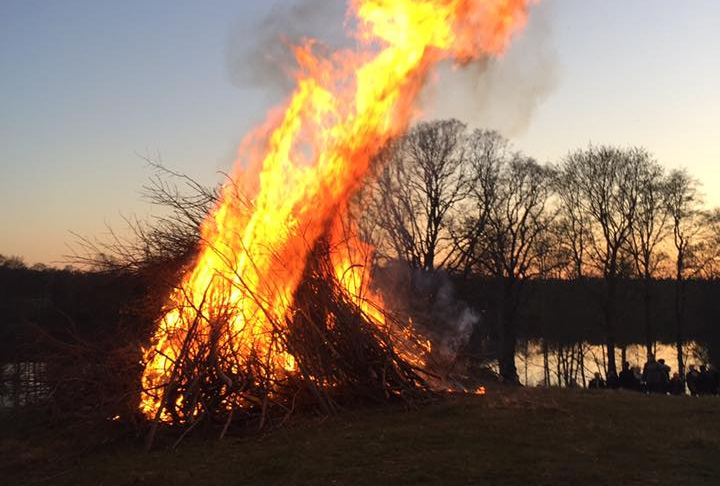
89, 86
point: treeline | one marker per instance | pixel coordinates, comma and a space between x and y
41, 305
465, 202
605, 245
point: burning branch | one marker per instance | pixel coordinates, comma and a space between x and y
270, 316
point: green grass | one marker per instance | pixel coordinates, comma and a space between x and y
528, 436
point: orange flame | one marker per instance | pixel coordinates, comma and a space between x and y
313, 159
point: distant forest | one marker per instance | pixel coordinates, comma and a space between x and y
42, 307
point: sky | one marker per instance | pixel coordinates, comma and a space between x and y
88, 88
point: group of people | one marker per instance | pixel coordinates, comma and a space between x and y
655, 378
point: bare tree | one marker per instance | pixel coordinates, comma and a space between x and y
684, 207
573, 223
422, 179
12, 262
488, 151
647, 233
607, 184
708, 261
171, 237
511, 247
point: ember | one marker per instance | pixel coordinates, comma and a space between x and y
277, 311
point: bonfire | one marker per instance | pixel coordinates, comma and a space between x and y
277, 311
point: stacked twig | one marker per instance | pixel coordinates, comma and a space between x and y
339, 355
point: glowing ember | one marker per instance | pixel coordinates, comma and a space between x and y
309, 162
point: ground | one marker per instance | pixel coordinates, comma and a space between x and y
510, 436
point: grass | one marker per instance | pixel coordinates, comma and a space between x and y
525, 436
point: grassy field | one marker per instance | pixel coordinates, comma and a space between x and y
527, 436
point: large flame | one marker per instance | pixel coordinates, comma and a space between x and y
312, 159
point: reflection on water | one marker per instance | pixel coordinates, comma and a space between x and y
23, 384
554, 365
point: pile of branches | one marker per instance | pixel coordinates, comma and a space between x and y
341, 357
337, 345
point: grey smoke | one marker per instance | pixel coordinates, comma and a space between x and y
454, 320
500, 93
260, 55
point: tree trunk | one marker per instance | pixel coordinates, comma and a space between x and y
610, 328
508, 371
611, 367
649, 337
546, 363
527, 358
680, 325
558, 372
508, 338
582, 365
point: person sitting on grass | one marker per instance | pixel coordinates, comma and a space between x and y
638, 378
708, 381
627, 378
677, 387
596, 383
705, 381
652, 375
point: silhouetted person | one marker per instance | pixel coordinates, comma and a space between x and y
638, 378
705, 381
692, 378
713, 381
596, 383
650, 360
653, 375
627, 378
664, 376
676, 386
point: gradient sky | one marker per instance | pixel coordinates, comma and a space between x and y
86, 86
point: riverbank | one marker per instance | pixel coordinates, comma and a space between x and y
510, 436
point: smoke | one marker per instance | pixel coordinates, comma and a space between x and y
432, 302
452, 320
260, 56
500, 93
